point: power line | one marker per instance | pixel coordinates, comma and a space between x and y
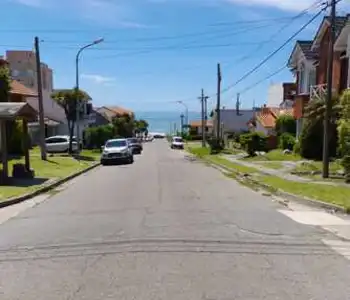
229, 87
262, 80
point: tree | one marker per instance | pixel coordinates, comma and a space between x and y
124, 125
311, 139
141, 126
344, 132
67, 99
5, 81
286, 124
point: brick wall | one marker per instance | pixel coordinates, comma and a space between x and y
321, 70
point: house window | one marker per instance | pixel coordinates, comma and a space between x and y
301, 80
312, 79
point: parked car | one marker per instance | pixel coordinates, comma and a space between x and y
60, 144
177, 143
117, 150
136, 145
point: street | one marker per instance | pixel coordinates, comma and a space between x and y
165, 228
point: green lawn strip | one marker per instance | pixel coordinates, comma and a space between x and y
339, 195
204, 153
56, 167
216, 159
313, 166
275, 155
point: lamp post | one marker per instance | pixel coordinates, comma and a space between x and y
186, 107
77, 104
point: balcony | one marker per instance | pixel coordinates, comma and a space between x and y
318, 92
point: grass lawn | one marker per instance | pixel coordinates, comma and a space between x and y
204, 153
272, 165
317, 166
55, 167
339, 195
275, 155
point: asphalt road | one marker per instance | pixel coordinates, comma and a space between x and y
165, 228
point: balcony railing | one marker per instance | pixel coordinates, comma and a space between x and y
318, 91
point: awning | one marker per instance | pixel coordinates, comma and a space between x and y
14, 110
47, 121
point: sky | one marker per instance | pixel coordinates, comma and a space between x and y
158, 52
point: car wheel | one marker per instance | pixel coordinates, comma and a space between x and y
103, 163
131, 160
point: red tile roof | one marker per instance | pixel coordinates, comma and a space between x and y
18, 88
198, 123
268, 115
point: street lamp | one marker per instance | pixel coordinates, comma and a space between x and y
77, 104
186, 107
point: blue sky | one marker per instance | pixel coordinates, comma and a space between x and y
157, 51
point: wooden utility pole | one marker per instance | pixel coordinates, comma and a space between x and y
328, 111
40, 100
218, 117
205, 117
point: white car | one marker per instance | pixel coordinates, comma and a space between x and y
60, 144
117, 150
177, 143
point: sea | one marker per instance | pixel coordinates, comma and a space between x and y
165, 122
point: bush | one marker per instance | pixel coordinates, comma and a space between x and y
286, 141
216, 145
346, 164
253, 142
97, 136
286, 124
296, 148
311, 140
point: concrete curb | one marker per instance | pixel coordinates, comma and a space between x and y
46, 188
277, 192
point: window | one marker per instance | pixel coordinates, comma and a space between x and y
116, 144
312, 78
55, 140
178, 140
301, 77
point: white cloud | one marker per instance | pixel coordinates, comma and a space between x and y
98, 79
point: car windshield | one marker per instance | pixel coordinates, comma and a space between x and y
114, 144
178, 140
133, 141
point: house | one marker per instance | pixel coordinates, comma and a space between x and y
23, 69
196, 127
265, 119
309, 62
234, 120
104, 115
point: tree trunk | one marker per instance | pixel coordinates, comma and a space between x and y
71, 133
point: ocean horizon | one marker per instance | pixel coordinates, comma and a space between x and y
162, 122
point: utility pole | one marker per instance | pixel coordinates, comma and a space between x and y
237, 104
218, 119
182, 123
203, 100
328, 111
205, 117
202, 118
40, 101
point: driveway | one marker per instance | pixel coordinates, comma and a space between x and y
165, 228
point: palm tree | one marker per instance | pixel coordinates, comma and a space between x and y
316, 108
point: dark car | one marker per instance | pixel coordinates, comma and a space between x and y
136, 145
